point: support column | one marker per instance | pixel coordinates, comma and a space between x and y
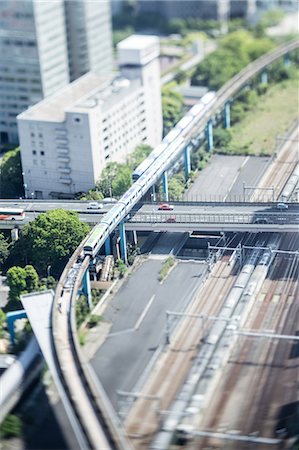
123, 241
108, 246
264, 77
187, 161
286, 60
165, 185
227, 115
153, 194
210, 135
135, 240
87, 289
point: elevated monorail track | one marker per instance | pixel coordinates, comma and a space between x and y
99, 427
96, 426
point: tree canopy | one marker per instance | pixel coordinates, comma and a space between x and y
11, 181
115, 179
21, 280
50, 240
139, 154
172, 106
235, 51
4, 251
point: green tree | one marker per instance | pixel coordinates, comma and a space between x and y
11, 426
235, 51
21, 281
31, 279
121, 267
222, 137
91, 195
50, 240
172, 107
16, 281
3, 323
115, 179
138, 155
176, 188
4, 250
11, 181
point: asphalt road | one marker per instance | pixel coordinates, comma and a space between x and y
224, 176
138, 315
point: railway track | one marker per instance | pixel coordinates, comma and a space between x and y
257, 368
98, 428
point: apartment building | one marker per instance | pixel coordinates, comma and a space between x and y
67, 139
43, 45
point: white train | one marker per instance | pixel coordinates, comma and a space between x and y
149, 171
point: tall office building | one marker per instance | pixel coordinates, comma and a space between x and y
89, 37
44, 44
33, 62
201, 9
67, 139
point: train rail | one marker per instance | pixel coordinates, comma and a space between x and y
99, 426
99, 430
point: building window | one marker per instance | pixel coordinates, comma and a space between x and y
42, 153
34, 152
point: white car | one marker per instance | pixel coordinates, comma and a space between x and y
94, 205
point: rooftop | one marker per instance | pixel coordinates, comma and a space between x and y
137, 42
85, 93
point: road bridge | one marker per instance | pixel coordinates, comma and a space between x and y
62, 327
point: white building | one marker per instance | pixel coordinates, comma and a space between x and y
44, 44
67, 139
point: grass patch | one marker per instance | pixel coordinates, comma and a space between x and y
274, 114
168, 263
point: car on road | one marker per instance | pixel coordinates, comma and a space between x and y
282, 206
165, 207
171, 219
94, 205
261, 220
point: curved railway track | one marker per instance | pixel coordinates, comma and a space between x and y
98, 424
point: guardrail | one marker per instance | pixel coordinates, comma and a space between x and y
99, 427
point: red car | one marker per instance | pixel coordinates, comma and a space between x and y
165, 207
171, 219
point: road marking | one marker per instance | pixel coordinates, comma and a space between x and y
143, 314
237, 175
117, 333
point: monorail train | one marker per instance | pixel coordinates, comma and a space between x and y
149, 171
182, 128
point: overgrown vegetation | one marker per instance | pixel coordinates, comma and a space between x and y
172, 106
11, 181
166, 266
235, 51
265, 120
11, 427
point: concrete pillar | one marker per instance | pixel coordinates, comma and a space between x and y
135, 240
87, 289
108, 246
14, 234
227, 115
153, 194
264, 77
286, 60
123, 241
210, 135
165, 185
187, 160
11, 318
